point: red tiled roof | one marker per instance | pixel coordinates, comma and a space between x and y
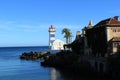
109, 21
113, 21
103, 22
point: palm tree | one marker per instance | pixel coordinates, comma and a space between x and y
67, 35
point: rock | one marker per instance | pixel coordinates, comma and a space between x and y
34, 55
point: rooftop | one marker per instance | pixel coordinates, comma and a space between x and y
115, 39
109, 21
52, 27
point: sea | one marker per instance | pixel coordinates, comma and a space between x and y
13, 68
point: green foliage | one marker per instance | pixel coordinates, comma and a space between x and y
67, 35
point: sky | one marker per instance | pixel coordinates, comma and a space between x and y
26, 22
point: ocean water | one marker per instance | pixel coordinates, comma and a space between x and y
12, 68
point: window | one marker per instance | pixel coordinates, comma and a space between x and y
118, 30
114, 30
115, 44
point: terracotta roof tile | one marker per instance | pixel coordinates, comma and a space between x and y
109, 21
113, 21
103, 22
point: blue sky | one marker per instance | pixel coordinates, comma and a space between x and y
26, 22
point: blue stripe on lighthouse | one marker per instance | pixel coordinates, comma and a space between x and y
51, 41
52, 35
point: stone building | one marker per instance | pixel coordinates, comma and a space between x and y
99, 36
98, 42
104, 40
114, 45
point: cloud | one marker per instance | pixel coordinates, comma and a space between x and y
12, 28
13, 32
11, 25
68, 26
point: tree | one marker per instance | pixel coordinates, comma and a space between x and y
67, 35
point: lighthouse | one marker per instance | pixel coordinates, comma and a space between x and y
55, 45
51, 36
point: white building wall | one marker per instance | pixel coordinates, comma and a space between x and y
109, 33
58, 45
52, 38
112, 32
52, 32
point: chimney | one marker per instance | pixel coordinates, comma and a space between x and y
116, 17
78, 35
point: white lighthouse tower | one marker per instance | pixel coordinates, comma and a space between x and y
51, 36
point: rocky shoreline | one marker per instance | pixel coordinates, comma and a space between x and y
68, 61
34, 55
